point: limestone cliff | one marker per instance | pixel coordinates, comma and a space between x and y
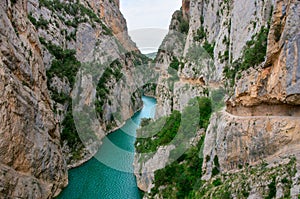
264, 108
95, 33
253, 46
176, 84
43, 46
216, 36
109, 12
31, 160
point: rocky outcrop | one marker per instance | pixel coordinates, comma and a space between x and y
186, 9
228, 25
277, 80
265, 103
31, 161
144, 170
145, 164
176, 85
247, 140
109, 12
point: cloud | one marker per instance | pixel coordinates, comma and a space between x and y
141, 14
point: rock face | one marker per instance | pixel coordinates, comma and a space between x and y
176, 85
277, 80
38, 39
261, 120
186, 9
96, 31
265, 106
31, 161
144, 170
109, 12
265, 103
249, 140
215, 38
228, 25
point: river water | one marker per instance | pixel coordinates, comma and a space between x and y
109, 174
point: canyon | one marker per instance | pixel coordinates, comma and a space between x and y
69, 75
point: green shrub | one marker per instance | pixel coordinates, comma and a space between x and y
166, 133
59, 97
202, 19
183, 24
145, 121
217, 182
205, 108
285, 181
256, 50
77, 10
32, 19
41, 23
69, 132
163, 137
201, 34
180, 179
184, 27
207, 158
216, 161
215, 171
65, 63
226, 195
113, 71
175, 63
245, 193
272, 189
209, 48
253, 55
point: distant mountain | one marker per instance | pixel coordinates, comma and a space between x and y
151, 55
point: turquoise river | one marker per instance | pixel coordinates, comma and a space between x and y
109, 174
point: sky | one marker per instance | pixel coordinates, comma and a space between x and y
148, 21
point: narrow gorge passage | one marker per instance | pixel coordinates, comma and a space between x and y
95, 180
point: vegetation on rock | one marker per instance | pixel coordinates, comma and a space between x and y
102, 91
64, 65
164, 129
178, 179
254, 54
182, 179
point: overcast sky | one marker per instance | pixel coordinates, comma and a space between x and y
148, 20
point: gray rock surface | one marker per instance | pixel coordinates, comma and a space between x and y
31, 161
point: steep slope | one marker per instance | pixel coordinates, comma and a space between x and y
32, 164
265, 103
88, 42
43, 46
254, 49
